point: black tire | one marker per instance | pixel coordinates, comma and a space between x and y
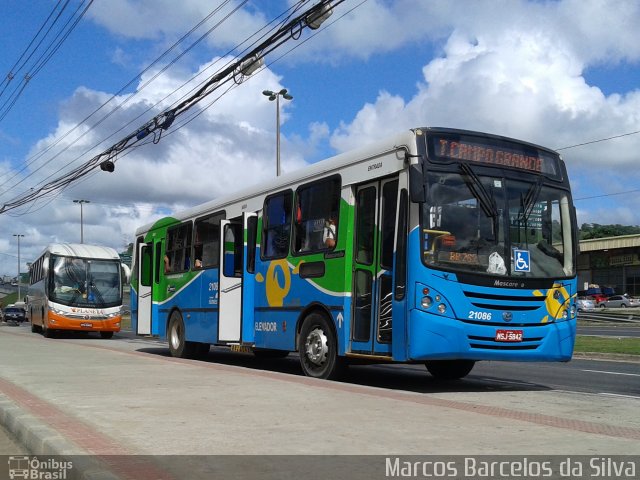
178, 346
623, 306
269, 353
318, 348
46, 331
601, 305
449, 369
106, 335
34, 328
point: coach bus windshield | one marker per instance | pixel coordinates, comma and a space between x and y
496, 225
85, 283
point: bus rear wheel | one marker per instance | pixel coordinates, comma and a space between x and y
178, 346
449, 369
318, 348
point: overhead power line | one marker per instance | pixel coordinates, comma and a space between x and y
236, 71
42, 52
279, 20
598, 141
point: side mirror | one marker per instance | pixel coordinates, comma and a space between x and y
125, 272
417, 188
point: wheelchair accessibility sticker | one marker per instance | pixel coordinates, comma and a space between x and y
521, 260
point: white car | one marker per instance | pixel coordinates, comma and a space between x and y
619, 301
585, 304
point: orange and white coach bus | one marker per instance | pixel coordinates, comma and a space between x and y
76, 287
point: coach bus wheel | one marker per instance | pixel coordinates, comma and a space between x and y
106, 335
449, 369
178, 346
318, 348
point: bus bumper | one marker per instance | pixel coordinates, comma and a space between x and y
434, 337
61, 322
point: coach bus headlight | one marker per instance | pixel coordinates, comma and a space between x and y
573, 311
442, 308
426, 302
565, 314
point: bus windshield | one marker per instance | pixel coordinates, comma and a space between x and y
85, 283
496, 225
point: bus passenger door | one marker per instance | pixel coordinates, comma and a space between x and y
230, 289
145, 279
374, 232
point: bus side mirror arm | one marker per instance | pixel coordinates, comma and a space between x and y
417, 187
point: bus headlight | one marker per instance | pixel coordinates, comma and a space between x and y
426, 302
573, 311
442, 308
565, 314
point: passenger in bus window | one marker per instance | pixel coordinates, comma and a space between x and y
329, 233
198, 255
167, 266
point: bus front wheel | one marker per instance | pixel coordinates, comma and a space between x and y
318, 350
106, 335
178, 346
449, 369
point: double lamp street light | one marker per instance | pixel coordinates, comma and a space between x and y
276, 96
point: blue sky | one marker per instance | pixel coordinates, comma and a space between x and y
555, 73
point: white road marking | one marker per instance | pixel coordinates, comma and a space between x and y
612, 373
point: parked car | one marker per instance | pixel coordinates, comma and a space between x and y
594, 293
585, 304
619, 301
14, 314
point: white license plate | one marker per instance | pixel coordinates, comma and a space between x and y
87, 325
508, 335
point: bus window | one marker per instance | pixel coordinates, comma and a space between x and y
365, 226
233, 250
252, 232
276, 223
389, 204
179, 248
207, 242
317, 207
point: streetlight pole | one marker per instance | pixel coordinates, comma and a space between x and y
276, 96
81, 219
18, 235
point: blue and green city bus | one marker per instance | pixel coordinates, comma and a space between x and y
437, 246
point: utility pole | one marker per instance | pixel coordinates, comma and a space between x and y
19, 235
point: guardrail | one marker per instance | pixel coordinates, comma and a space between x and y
612, 315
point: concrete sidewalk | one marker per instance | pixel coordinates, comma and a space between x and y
86, 396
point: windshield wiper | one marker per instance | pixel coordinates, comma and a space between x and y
529, 200
487, 202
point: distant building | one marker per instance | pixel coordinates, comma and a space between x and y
611, 262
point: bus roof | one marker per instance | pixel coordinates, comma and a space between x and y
82, 250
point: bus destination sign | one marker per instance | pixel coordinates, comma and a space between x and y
475, 150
